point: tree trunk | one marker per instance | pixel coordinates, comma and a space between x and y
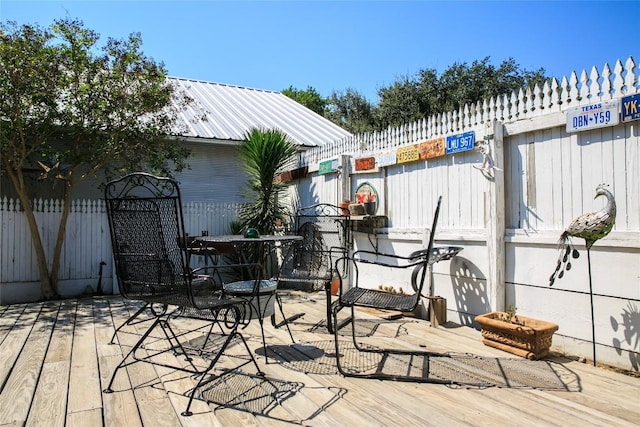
62, 228
46, 290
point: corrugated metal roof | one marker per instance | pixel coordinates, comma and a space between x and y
227, 112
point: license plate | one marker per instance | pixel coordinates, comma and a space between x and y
593, 116
630, 108
460, 142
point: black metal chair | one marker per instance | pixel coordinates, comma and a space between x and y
358, 296
192, 249
147, 229
311, 265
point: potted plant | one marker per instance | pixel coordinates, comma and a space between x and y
368, 200
520, 335
265, 153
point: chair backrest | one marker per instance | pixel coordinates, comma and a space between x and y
419, 274
417, 261
325, 233
147, 229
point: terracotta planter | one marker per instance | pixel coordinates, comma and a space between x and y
344, 207
530, 338
335, 286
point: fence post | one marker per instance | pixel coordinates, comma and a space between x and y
344, 193
496, 217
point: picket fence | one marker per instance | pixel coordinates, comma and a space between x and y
522, 105
87, 241
509, 217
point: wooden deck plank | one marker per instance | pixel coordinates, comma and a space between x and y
10, 315
43, 350
16, 337
120, 406
359, 402
50, 399
306, 402
174, 383
84, 383
18, 391
49, 402
92, 417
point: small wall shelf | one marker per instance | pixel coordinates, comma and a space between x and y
368, 223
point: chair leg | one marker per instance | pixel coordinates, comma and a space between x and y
335, 310
285, 320
129, 321
327, 290
385, 354
232, 334
131, 352
333, 325
202, 381
175, 344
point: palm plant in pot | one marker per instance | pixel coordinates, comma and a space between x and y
265, 154
520, 335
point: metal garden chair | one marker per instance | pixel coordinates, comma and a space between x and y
359, 296
311, 265
147, 235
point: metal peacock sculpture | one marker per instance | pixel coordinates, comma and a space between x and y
591, 227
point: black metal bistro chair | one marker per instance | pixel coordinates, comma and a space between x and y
311, 265
147, 229
357, 295
192, 248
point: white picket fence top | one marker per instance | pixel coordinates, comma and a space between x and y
552, 97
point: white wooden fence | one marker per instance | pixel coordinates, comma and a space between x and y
509, 225
87, 243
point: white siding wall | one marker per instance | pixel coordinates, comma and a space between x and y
214, 174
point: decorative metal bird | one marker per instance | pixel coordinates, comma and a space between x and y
591, 227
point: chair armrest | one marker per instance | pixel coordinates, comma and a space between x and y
390, 260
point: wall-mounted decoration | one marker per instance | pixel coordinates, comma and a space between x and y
387, 158
408, 154
367, 195
328, 166
432, 148
630, 108
289, 176
598, 115
488, 166
460, 142
365, 163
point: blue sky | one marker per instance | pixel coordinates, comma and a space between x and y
335, 45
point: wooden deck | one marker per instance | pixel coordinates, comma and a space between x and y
56, 359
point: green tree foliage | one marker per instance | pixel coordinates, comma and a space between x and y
74, 109
265, 154
464, 84
411, 98
351, 111
310, 98
402, 102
